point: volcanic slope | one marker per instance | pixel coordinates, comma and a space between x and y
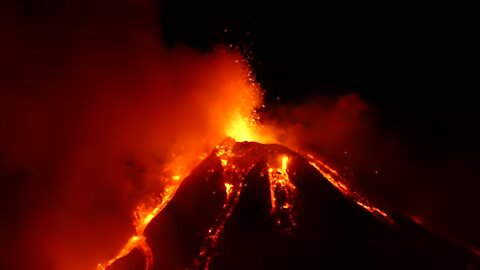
259, 206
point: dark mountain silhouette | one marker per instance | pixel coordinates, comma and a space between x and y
324, 230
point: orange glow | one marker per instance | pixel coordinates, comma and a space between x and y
245, 128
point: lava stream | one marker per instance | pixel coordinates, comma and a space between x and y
143, 217
282, 194
233, 176
338, 182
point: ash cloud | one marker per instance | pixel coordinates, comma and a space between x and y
92, 105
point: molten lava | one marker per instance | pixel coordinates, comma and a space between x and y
282, 193
336, 180
143, 216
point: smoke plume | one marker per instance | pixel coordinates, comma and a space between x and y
93, 107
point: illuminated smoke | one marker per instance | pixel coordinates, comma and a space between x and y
97, 119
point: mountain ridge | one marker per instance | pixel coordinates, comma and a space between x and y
256, 206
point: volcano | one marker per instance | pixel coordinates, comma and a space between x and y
263, 206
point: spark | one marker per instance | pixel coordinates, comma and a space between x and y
228, 189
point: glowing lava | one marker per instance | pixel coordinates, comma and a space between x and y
337, 181
235, 175
143, 216
282, 194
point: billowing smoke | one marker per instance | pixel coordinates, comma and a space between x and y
92, 108
331, 128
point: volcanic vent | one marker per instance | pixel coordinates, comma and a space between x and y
263, 206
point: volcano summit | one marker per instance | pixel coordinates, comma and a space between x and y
262, 206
